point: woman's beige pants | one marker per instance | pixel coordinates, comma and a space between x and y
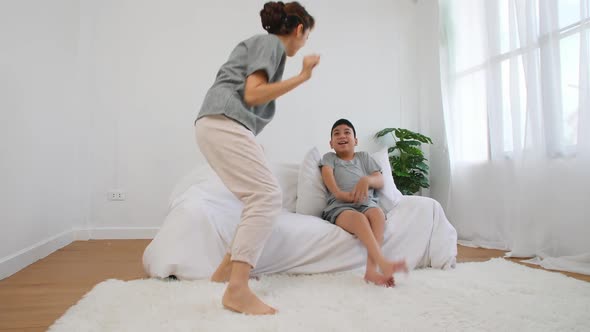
239, 161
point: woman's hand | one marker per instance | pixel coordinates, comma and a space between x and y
360, 192
309, 63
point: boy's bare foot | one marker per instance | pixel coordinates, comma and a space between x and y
392, 267
400, 266
242, 300
379, 279
223, 271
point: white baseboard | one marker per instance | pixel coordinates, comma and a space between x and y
11, 264
114, 233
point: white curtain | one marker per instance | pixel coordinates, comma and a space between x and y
516, 92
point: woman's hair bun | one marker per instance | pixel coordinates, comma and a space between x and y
273, 16
282, 18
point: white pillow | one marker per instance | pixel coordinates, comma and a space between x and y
312, 194
389, 195
287, 175
198, 175
204, 177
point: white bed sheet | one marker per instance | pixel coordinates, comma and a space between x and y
202, 222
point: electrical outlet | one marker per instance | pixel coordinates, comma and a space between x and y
116, 195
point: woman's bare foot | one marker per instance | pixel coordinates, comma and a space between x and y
379, 279
223, 270
242, 300
392, 267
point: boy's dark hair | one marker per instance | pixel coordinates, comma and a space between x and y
343, 122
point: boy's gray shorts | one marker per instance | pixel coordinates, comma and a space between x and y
332, 214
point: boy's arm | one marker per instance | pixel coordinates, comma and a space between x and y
330, 182
361, 190
376, 180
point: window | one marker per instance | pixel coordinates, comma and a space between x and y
516, 75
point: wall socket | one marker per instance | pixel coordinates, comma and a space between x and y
116, 195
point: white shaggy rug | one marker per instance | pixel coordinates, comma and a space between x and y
492, 296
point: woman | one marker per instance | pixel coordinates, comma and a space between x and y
236, 108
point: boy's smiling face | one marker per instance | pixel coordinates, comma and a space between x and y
343, 140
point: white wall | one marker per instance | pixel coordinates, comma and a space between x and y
153, 63
101, 95
42, 128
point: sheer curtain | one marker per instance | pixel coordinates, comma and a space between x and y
515, 77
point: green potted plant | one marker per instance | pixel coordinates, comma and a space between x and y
407, 160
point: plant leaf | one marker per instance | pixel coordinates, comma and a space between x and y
384, 132
401, 173
410, 150
422, 166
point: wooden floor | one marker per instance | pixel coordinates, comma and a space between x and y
33, 298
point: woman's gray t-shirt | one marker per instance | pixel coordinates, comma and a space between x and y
347, 174
226, 96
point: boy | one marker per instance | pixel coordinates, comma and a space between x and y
351, 178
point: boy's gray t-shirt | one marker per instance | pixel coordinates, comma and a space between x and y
226, 96
347, 174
